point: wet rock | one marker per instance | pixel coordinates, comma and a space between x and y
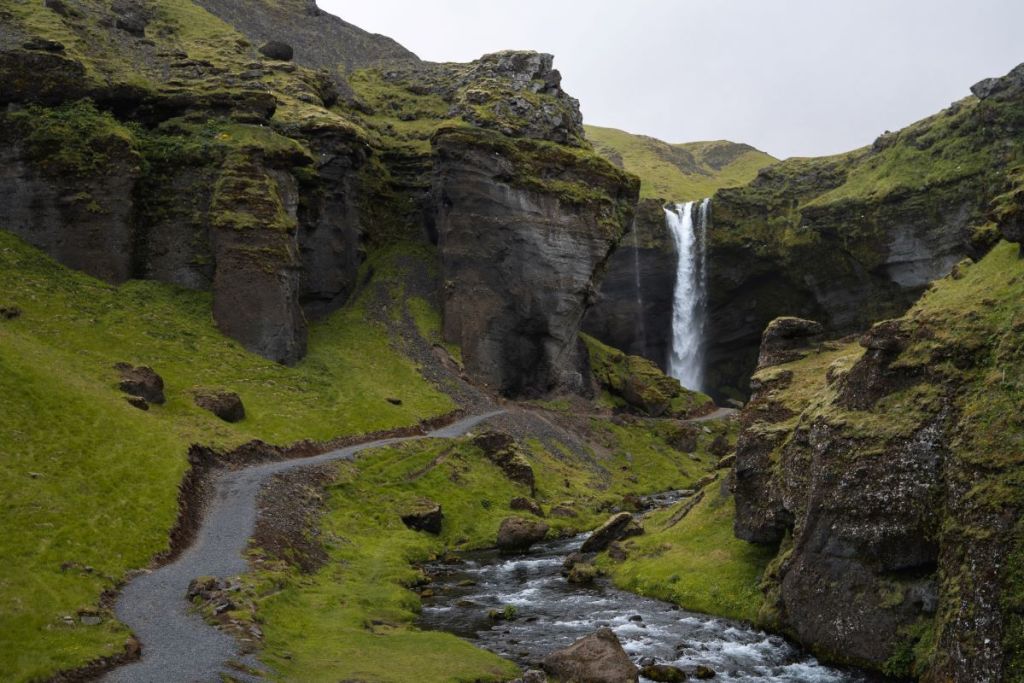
9, 312
703, 673
597, 658
582, 573
785, 339
227, 405
663, 673
571, 560
425, 515
524, 504
275, 49
141, 381
616, 528
516, 534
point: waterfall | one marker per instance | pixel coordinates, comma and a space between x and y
689, 303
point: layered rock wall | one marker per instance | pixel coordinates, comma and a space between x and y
522, 256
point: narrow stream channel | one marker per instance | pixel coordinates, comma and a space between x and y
551, 613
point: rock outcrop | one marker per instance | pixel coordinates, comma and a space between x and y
641, 386
615, 528
424, 515
597, 658
227, 405
865, 461
525, 231
835, 241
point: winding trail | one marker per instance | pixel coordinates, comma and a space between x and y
178, 646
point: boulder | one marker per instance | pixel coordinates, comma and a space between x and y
524, 504
227, 405
275, 49
616, 528
564, 511
703, 673
597, 658
131, 16
516, 535
141, 381
663, 673
582, 573
424, 515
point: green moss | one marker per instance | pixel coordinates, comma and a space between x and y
682, 172
66, 422
75, 139
964, 361
639, 383
696, 563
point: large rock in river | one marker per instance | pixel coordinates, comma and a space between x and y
516, 535
597, 658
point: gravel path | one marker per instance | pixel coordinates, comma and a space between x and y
178, 646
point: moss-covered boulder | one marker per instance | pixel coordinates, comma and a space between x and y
641, 386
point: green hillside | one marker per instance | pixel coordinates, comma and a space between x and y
686, 171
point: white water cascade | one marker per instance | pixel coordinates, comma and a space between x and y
689, 305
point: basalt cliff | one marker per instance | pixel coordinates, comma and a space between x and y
225, 148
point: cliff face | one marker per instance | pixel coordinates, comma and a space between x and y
633, 310
886, 471
521, 255
166, 141
857, 237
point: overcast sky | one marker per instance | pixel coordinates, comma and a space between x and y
791, 77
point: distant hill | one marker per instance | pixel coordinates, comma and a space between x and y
686, 171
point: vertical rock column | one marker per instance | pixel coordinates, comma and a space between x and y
257, 280
522, 256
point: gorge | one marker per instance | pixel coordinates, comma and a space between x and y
318, 358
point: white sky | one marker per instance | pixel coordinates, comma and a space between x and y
792, 77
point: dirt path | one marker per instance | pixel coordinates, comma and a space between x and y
178, 646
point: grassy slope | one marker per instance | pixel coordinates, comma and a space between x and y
698, 563
90, 480
679, 172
